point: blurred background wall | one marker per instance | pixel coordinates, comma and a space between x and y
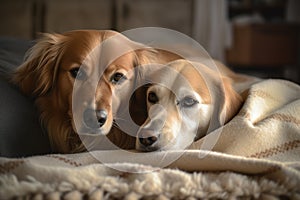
259, 37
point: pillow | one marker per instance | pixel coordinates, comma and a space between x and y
12, 51
20, 130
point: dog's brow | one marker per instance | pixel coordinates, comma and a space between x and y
109, 69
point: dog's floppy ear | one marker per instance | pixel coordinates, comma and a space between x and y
226, 103
36, 75
148, 55
232, 100
145, 55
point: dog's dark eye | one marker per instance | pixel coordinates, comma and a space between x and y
118, 78
152, 98
188, 102
77, 73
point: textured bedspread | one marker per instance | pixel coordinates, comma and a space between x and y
255, 155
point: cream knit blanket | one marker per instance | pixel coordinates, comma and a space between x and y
255, 156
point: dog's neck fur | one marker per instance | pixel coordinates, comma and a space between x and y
53, 117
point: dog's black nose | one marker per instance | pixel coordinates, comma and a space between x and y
148, 141
101, 116
93, 119
147, 137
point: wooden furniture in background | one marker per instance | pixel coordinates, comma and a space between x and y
174, 14
16, 18
269, 50
63, 15
264, 45
26, 18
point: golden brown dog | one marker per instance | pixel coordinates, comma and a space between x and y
186, 101
58, 62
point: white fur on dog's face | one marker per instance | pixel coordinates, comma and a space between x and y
177, 110
186, 101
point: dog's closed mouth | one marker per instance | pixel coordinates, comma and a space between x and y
149, 148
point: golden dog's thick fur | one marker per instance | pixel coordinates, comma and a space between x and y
45, 76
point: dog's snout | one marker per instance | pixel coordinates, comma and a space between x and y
147, 137
94, 119
101, 116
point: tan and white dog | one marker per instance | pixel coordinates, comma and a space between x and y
186, 101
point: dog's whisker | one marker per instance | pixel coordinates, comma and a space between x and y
121, 119
115, 125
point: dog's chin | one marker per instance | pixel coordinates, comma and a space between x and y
143, 148
156, 147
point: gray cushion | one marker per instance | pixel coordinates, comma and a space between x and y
20, 130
